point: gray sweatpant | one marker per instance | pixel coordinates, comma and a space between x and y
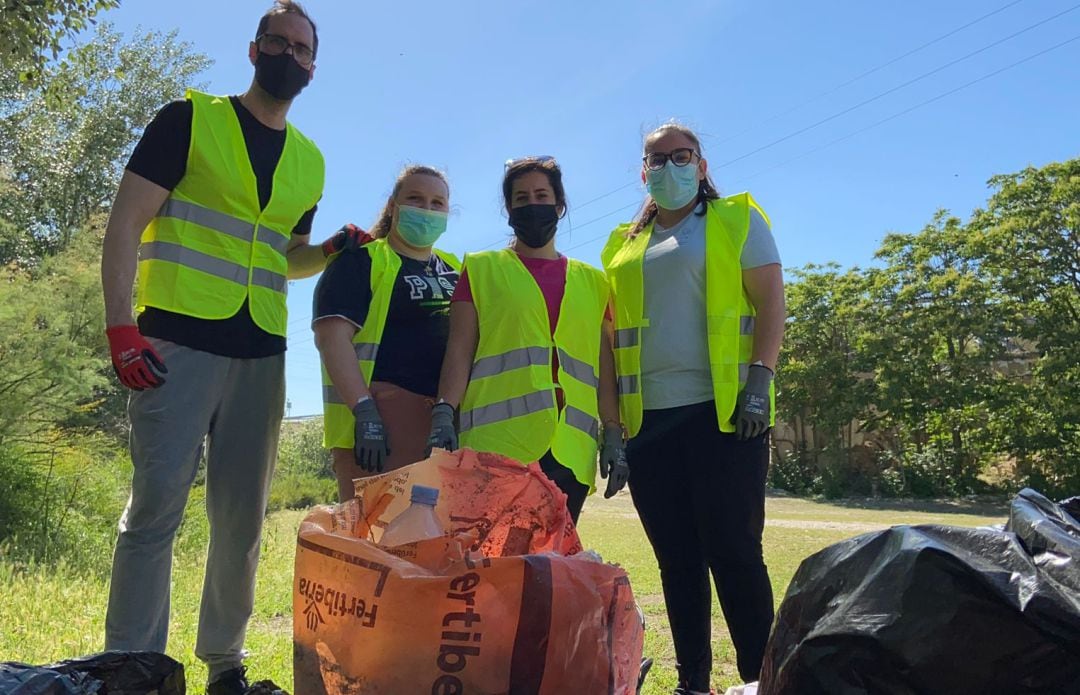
234, 406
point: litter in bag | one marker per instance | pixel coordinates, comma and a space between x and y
108, 673
503, 603
917, 609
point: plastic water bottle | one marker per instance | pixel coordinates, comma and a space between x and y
416, 523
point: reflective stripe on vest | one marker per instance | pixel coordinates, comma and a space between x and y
330, 396
581, 371
366, 351
627, 337
628, 384
534, 402
582, 421
512, 359
220, 222
197, 260
261, 277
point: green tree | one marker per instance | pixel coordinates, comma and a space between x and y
52, 353
822, 376
939, 328
65, 139
1029, 239
33, 30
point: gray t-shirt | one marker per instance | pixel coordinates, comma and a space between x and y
674, 346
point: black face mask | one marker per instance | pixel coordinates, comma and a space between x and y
534, 225
281, 76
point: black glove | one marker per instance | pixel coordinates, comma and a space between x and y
443, 434
371, 447
613, 460
751, 417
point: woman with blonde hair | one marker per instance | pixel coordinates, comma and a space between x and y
381, 324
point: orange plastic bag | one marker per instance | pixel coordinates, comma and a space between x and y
500, 605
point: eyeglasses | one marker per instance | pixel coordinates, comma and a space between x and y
272, 44
680, 157
538, 159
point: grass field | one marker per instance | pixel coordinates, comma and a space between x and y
59, 613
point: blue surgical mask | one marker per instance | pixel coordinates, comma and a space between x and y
673, 187
419, 227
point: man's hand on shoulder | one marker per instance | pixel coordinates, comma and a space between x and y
348, 238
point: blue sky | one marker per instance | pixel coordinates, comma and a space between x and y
465, 85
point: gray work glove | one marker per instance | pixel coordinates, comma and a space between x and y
751, 417
613, 465
443, 434
372, 446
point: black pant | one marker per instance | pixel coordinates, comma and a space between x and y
700, 494
565, 480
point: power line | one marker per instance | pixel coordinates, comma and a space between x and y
611, 192
898, 87
865, 102
894, 116
300, 320
869, 72
921, 104
832, 90
876, 124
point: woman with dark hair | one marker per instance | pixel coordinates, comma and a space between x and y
381, 324
698, 294
529, 359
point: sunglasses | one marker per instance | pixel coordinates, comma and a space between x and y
538, 159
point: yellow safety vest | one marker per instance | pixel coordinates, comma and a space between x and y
730, 315
210, 246
510, 405
338, 420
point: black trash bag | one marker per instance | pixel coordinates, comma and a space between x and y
1072, 506
936, 609
108, 673
265, 688
23, 679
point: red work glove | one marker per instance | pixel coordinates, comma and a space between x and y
137, 364
348, 238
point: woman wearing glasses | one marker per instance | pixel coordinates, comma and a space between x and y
529, 362
381, 323
699, 315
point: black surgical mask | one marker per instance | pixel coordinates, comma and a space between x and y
281, 76
534, 225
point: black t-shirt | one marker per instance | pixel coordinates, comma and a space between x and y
417, 320
161, 157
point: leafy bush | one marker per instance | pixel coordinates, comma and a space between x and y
841, 478
305, 473
292, 491
63, 500
300, 450
794, 472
